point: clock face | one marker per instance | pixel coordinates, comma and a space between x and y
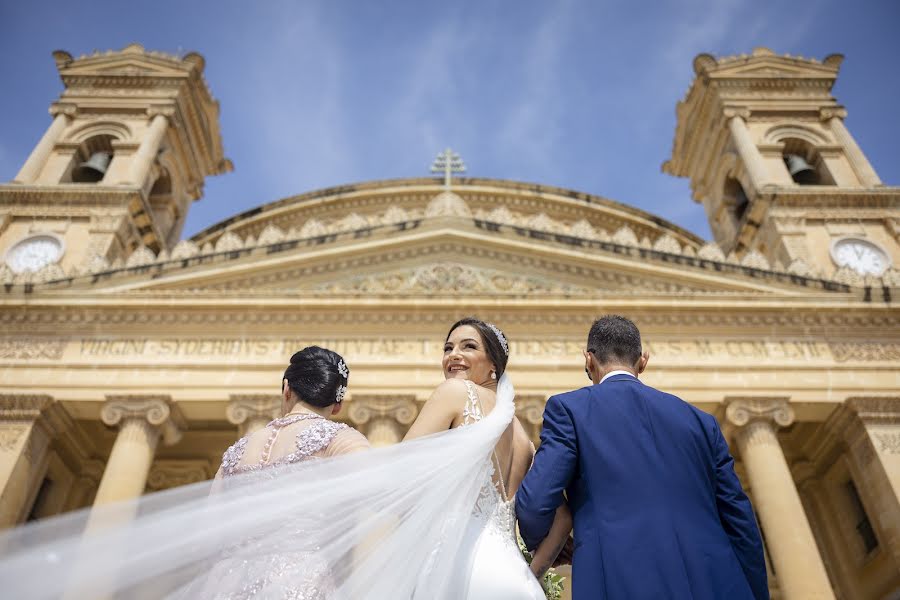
862, 256
34, 253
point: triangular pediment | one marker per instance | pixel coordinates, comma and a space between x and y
446, 262
124, 65
775, 67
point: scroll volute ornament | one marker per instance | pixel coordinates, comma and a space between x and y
741, 411
364, 409
158, 411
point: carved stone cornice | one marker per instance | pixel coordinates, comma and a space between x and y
157, 410
166, 474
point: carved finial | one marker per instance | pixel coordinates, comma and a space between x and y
448, 162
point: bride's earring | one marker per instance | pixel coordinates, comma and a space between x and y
493, 375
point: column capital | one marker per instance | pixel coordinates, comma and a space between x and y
832, 112
245, 407
165, 111
63, 108
402, 409
740, 411
158, 411
736, 111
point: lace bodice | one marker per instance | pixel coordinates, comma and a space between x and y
310, 440
492, 504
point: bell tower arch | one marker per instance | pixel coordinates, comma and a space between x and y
765, 146
134, 135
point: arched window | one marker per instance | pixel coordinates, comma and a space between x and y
804, 164
91, 160
735, 198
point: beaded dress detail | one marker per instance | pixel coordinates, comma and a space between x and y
254, 569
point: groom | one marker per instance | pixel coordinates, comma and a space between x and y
658, 510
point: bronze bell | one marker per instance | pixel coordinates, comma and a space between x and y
93, 169
800, 170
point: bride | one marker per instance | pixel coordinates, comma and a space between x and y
475, 357
428, 518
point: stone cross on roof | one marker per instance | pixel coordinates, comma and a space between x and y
448, 162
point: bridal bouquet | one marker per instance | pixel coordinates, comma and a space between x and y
552, 582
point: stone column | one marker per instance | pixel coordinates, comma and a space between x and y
146, 153
142, 420
383, 419
801, 573
252, 412
167, 474
28, 424
31, 170
746, 148
870, 428
861, 165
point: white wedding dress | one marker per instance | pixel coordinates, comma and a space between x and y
418, 520
497, 569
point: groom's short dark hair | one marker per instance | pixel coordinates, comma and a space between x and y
614, 339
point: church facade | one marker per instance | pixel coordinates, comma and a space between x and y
131, 358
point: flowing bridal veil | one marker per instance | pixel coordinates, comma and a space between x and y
388, 523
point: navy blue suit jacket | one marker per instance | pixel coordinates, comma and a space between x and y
658, 510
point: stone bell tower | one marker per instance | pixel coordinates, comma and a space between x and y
764, 144
134, 134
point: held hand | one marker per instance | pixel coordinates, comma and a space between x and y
565, 555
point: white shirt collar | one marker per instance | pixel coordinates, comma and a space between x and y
611, 373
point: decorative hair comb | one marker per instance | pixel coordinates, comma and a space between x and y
500, 337
343, 370
341, 392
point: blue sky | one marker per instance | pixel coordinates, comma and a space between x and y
576, 94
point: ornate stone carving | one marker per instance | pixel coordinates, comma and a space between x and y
625, 236
849, 276
251, 411
270, 235
743, 410
23, 407
443, 277
167, 474
402, 409
352, 222
755, 260
140, 257
865, 351
29, 348
799, 267
229, 242
888, 442
667, 243
447, 204
313, 228
382, 418
10, 436
158, 411
711, 251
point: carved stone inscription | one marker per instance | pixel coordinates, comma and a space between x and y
175, 350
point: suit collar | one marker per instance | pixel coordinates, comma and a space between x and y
617, 376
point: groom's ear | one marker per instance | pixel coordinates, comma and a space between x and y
642, 362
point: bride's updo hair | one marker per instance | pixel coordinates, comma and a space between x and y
318, 376
495, 344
